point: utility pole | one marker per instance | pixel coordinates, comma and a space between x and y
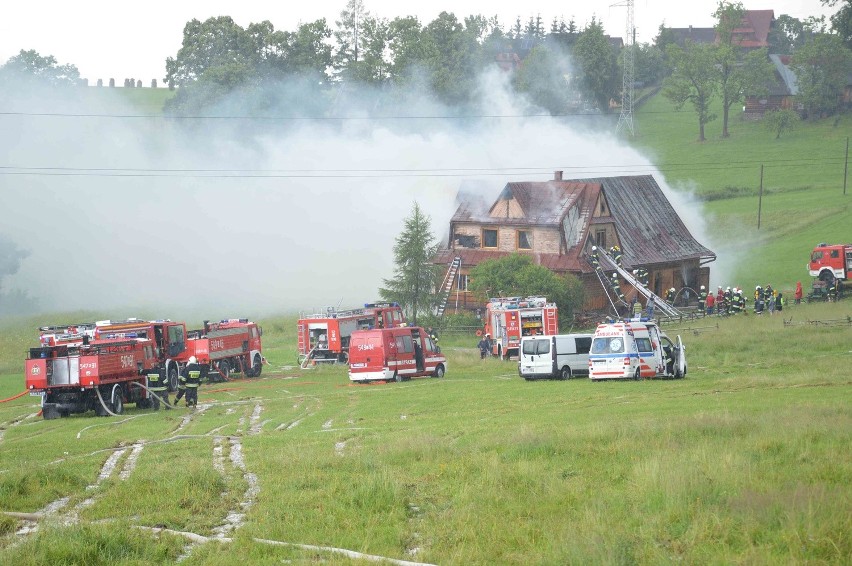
625, 119
760, 198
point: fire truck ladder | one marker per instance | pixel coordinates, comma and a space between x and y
447, 285
659, 303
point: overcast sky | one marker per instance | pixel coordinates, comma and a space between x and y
108, 39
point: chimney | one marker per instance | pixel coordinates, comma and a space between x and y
557, 175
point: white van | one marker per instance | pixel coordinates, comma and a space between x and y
552, 357
635, 349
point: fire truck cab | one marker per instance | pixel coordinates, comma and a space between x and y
829, 262
394, 354
169, 340
508, 319
634, 349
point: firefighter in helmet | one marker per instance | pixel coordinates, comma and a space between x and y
593, 257
182, 382
616, 287
670, 296
615, 252
191, 377
158, 386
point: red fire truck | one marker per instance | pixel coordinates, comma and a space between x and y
97, 375
229, 345
324, 337
169, 340
829, 262
507, 319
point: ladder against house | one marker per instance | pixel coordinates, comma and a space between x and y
668, 309
447, 285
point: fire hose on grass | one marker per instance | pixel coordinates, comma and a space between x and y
21, 394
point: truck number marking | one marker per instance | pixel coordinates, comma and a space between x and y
364, 347
218, 344
127, 361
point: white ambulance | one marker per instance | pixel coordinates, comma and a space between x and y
551, 357
635, 349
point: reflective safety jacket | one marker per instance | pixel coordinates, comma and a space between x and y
157, 379
191, 375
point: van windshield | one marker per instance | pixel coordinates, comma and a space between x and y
613, 345
533, 347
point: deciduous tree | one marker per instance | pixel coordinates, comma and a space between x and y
415, 277
518, 275
693, 80
30, 66
597, 61
822, 69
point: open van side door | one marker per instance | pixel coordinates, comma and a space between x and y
680, 359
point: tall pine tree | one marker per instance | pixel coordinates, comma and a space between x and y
415, 277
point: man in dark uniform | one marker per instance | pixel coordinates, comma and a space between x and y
191, 376
158, 386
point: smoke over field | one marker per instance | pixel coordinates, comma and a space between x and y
251, 217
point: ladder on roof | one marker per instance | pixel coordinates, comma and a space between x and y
447, 286
607, 262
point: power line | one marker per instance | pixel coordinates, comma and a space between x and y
326, 173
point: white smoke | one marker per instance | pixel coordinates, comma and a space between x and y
276, 221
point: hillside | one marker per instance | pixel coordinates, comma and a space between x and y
803, 201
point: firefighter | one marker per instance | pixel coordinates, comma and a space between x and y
642, 276
593, 258
615, 252
670, 296
191, 376
616, 287
832, 290
702, 296
182, 383
158, 386
484, 347
433, 334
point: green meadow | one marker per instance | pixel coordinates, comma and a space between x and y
746, 460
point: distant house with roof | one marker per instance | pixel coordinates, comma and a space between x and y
780, 92
751, 33
557, 222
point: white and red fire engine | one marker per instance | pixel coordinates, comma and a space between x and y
97, 375
507, 319
830, 262
169, 340
325, 336
229, 345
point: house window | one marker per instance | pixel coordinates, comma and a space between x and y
489, 238
600, 238
463, 282
524, 240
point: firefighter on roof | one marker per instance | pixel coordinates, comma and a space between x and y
616, 287
593, 257
615, 252
158, 386
191, 377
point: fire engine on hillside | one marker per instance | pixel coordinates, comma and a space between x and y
169, 340
100, 374
507, 319
229, 345
830, 262
324, 337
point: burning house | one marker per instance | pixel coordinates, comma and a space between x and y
557, 222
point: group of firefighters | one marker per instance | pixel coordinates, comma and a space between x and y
733, 300
189, 381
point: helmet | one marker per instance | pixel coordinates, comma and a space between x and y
672, 289
635, 271
727, 289
702, 287
594, 248
192, 359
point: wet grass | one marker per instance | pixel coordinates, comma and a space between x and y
743, 461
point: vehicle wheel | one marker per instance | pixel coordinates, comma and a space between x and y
638, 375
117, 402
225, 369
439, 371
173, 378
565, 373
256, 367
50, 412
397, 377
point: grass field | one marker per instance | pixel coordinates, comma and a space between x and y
745, 460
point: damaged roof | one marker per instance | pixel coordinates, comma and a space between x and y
649, 228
